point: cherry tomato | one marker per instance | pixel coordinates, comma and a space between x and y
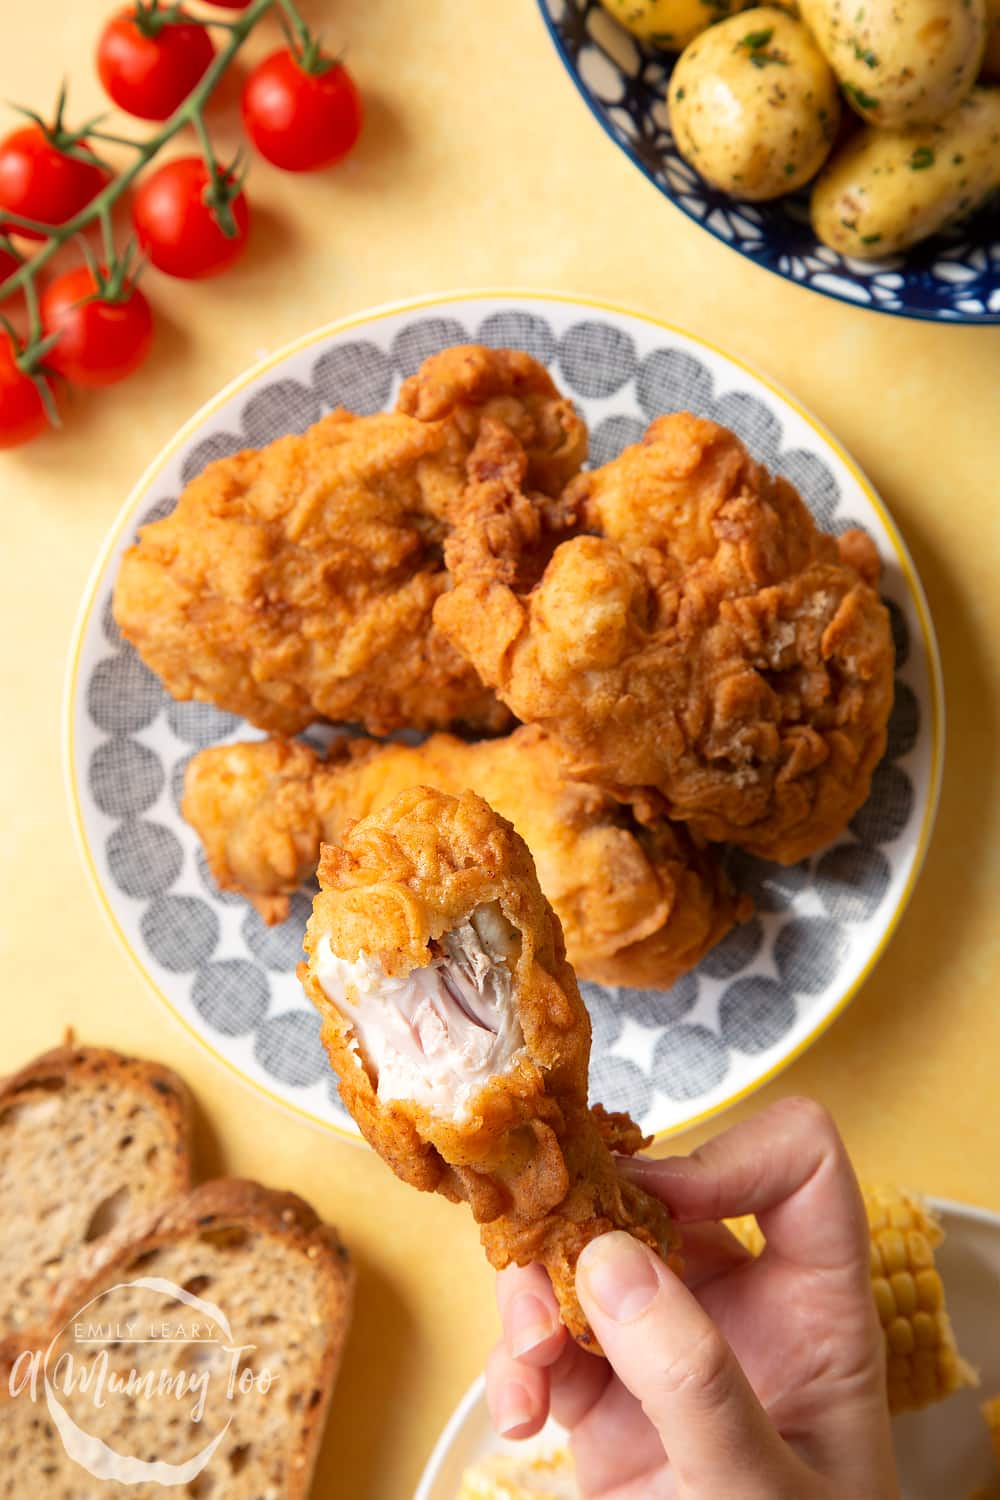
41, 182
229, 4
22, 411
8, 265
148, 67
297, 119
175, 223
99, 341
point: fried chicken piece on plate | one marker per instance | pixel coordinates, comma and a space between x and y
298, 581
469, 383
460, 1038
639, 904
701, 641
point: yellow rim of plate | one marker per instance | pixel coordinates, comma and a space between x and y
393, 309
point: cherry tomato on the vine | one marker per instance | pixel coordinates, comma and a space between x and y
147, 65
177, 228
100, 340
8, 265
22, 411
40, 182
301, 113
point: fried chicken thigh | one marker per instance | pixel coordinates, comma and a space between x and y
298, 581
460, 1039
639, 905
700, 642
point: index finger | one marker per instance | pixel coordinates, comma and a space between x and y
789, 1167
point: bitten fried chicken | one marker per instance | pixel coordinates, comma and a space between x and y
298, 581
460, 1039
701, 643
639, 904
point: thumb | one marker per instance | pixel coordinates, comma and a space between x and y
667, 1351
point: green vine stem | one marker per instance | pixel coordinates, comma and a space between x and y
190, 112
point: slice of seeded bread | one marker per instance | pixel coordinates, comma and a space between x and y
88, 1139
283, 1281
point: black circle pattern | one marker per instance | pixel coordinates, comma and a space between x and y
231, 995
123, 696
357, 376
518, 330
180, 931
611, 436
618, 1083
808, 951
422, 338
125, 778
851, 880
144, 858
198, 458
904, 721
283, 407
752, 421
736, 950
288, 1047
691, 1052
689, 1061
279, 947
755, 1013
596, 358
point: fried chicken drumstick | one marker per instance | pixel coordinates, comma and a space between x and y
702, 641
639, 905
460, 1039
297, 581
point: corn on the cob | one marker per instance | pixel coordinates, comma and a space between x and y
923, 1362
507, 1477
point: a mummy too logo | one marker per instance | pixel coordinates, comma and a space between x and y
142, 1383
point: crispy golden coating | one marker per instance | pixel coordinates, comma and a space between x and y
298, 581
530, 1157
639, 905
702, 639
470, 383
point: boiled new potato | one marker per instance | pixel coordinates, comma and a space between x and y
754, 106
991, 56
670, 23
886, 189
900, 62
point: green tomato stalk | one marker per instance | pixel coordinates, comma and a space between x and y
224, 182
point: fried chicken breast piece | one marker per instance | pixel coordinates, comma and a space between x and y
298, 581
469, 383
639, 904
700, 640
460, 1038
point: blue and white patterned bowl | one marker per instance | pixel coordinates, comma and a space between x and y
757, 999
953, 278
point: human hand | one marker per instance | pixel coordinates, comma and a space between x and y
750, 1379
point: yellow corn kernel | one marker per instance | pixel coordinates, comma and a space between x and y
884, 1300
904, 1289
930, 1292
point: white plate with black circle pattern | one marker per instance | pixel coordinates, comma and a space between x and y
760, 997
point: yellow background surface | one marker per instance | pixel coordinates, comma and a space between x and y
480, 166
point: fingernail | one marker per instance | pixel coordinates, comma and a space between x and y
619, 1275
514, 1408
529, 1323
